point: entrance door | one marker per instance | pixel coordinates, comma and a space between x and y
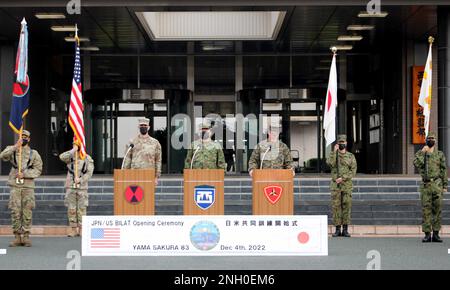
116, 123
301, 131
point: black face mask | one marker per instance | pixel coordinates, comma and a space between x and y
342, 146
430, 143
143, 130
24, 142
205, 135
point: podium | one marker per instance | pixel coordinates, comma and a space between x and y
134, 192
203, 192
273, 192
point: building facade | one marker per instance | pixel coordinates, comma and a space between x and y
230, 61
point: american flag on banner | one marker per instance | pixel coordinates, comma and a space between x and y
105, 238
76, 103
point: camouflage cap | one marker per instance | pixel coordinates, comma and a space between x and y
26, 133
144, 121
205, 125
432, 135
342, 138
274, 124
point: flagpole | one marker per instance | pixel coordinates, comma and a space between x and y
76, 170
21, 76
76, 34
20, 148
430, 41
76, 153
334, 50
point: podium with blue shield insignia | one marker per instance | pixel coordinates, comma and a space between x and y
204, 192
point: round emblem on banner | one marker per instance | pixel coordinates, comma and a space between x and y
21, 89
134, 194
303, 237
205, 235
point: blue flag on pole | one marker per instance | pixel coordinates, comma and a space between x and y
20, 101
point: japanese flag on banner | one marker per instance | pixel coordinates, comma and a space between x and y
426, 90
329, 118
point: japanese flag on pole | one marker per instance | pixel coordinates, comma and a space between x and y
425, 91
329, 118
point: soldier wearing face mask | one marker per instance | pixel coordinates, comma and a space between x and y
205, 153
145, 152
343, 169
432, 167
22, 200
271, 153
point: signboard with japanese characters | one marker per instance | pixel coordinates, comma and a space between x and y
264, 235
418, 120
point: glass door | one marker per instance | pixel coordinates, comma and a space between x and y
301, 131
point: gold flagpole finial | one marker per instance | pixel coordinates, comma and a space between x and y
430, 39
334, 49
76, 34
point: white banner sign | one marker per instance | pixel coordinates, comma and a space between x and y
205, 236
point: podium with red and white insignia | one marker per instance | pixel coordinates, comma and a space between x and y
273, 192
203, 192
134, 191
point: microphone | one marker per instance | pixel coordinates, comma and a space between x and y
126, 154
264, 156
193, 156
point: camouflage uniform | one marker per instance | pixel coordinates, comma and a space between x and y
22, 200
431, 189
146, 154
341, 194
278, 157
208, 156
76, 199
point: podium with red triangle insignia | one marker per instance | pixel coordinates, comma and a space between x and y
273, 192
134, 192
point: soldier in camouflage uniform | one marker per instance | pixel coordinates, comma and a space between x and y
341, 185
146, 151
22, 200
432, 167
205, 153
273, 153
76, 199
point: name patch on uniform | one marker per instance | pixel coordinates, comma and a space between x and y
273, 193
134, 194
204, 196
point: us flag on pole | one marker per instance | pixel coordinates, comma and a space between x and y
105, 238
76, 103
